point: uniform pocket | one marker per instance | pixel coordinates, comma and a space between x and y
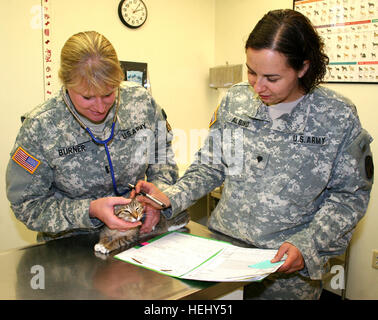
307, 183
78, 168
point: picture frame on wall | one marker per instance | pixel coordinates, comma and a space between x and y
135, 71
349, 29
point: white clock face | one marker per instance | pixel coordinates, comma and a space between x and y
134, 13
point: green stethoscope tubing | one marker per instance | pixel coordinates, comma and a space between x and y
98, 141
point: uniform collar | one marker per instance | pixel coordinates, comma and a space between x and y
256, 109
75, 126
293, 122
120, 125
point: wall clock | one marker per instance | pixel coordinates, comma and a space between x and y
133, 13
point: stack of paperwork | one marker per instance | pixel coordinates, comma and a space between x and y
187, 256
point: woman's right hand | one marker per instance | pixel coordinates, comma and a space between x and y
103, 209
152, 190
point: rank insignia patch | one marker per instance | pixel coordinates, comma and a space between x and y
25, 160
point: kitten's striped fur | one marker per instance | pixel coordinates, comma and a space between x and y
111, 240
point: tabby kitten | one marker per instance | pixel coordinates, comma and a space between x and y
111, 240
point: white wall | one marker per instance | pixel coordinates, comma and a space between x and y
180, 41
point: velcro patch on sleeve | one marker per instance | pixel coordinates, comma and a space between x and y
25, 160
214, 117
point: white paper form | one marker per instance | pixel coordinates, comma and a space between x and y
233, 264
174, 254
187, 256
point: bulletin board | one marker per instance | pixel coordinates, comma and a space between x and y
349, 29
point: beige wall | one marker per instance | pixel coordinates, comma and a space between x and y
21, 88
180, 41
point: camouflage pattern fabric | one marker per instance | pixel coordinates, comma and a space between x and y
284, 287
73, 170
304, 178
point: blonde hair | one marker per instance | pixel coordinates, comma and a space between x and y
88, 59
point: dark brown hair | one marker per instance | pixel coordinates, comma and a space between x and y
292, 34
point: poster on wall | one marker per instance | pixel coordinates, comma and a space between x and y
349, 29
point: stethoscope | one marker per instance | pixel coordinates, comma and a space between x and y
105, 142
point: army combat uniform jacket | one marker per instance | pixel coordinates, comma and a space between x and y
304, 178
56, 170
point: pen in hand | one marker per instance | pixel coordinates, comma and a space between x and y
149, 196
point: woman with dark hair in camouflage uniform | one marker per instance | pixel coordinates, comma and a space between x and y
294, 160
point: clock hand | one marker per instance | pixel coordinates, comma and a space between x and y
136, 8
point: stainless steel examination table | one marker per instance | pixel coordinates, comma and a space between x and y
69, 269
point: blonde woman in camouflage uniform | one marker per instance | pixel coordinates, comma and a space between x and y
295, 162
59, 181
